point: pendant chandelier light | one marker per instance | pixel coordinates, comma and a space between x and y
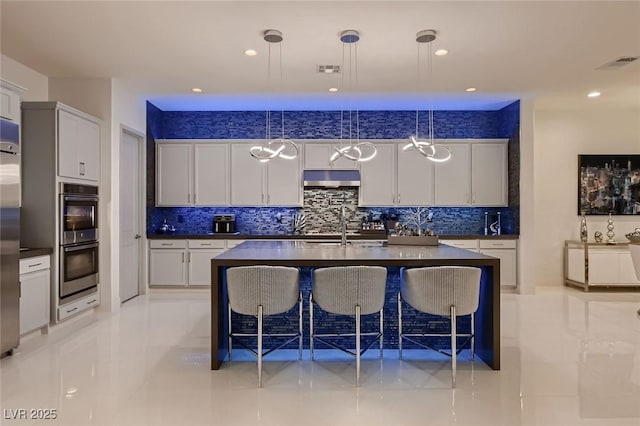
427, 147
355, 150
278, 147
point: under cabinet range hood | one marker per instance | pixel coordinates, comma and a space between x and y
331, 178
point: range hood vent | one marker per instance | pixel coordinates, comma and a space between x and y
331, 178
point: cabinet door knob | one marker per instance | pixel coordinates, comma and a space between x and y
138, 236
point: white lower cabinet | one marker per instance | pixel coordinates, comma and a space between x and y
167, 263
79, 305
184, 262
200, 254
35, 290
505, 250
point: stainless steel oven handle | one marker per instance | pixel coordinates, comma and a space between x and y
80, 198
82, 247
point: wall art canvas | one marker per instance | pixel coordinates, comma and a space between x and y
609, 184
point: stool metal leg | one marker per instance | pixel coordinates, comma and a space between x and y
357, 345
230, 340
300, 327
311, 326
399, 326
473, 338
381, 332
259, 346
453, 346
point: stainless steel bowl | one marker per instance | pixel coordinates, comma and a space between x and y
634, 236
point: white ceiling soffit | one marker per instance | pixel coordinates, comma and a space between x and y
507, 50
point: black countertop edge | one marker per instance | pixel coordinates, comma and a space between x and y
33, 252
313, 237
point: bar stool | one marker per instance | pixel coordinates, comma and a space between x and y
260, 291
447, 291
352, 291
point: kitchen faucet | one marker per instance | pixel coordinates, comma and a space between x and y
343, 226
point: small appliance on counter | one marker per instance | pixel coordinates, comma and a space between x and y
224, 224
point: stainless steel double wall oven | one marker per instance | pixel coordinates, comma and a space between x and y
78, 241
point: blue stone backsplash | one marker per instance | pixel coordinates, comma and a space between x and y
322, 209
326, 124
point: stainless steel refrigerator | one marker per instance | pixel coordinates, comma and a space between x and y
9, 236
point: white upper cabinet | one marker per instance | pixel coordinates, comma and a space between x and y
284, 182
192, 173
211, 174
247, 188
475, 175
173, 174
453, 177
78, 146
378, 183
10, 101
415, 179
276, 183
489, 181
316, 156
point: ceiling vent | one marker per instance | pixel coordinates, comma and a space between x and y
329, 69
620, 62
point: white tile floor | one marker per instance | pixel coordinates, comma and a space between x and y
568, 358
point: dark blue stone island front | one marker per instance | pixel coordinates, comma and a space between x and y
308, 255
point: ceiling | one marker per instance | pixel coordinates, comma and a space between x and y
507, 50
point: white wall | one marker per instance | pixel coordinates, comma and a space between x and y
560, 135
128, 111
526, 244
37, 84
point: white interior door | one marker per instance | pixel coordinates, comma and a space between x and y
129, 216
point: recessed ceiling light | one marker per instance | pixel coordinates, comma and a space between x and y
196, 90
250, 52
593, 94
470, 89
441, 52
333, 89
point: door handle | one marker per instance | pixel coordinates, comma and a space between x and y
137, 236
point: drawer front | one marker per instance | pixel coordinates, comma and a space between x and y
498, 244
168, 244
78, 306
206, 244
465, 244
33, 264
233, 243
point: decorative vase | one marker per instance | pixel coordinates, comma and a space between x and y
610, 233
584, 235
597, 237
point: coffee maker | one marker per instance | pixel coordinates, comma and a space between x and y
224, 223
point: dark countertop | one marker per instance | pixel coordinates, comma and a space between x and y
170, 236
362, 253
33, 252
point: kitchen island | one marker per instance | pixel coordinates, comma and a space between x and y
323, 254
